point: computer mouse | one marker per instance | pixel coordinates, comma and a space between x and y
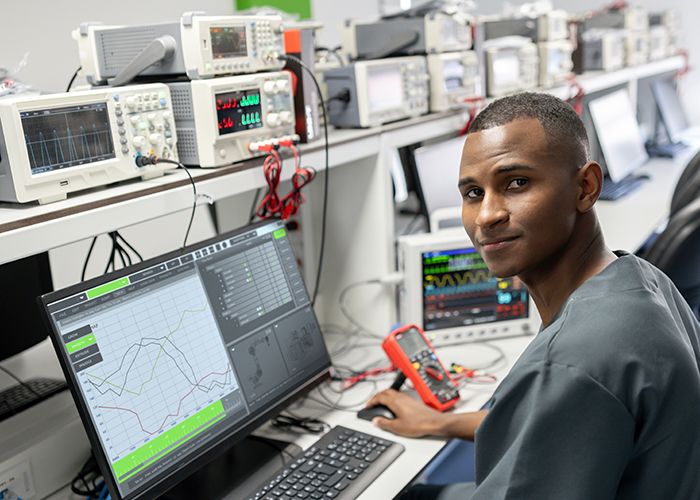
376, 411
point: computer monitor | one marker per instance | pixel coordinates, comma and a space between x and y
618, 133
451, 294
437, 166
173, 361
22, 282
671, 109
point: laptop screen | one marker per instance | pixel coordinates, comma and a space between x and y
177, 356
618, 133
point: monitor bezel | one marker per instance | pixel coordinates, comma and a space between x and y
209, 452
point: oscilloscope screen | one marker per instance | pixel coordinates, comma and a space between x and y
67, 137
228, 42
459, 290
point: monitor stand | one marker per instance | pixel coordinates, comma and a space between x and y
237, 471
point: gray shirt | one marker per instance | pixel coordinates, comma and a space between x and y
605, 401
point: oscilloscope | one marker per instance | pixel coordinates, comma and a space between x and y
451, 294
55, 144
199, 46
218, 119
380, 91
174, 361
454, 79
433, 33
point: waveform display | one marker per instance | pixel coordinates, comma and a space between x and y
137, 367
458, 290
228, 42
453, 279
67, 137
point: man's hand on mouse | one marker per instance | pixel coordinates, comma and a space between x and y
413, 418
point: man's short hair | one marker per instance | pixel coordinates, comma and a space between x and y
561, 124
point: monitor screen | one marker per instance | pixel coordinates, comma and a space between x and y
438, 173
453, 73
670, 108
174, 360
506, 67
65, 137
384, 87
618, 132
459, 290
23, 281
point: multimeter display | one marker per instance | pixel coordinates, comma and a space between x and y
237, 111
411, 342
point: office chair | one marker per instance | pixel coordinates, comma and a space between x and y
688, 187
676, 251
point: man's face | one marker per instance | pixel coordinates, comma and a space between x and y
519, 200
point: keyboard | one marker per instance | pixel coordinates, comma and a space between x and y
669, 150
615, 190
20, 397
340, 465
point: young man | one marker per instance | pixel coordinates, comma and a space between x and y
605, 401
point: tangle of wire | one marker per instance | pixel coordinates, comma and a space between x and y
117, 250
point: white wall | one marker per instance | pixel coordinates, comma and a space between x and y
43, 29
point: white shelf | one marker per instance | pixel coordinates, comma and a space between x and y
29, 229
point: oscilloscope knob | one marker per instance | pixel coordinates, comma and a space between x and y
286, 117
273, 119
270, 87
154, 138
139, 141
282, 86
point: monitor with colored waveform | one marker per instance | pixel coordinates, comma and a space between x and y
174, 361
450, 292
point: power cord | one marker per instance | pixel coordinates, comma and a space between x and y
143, 160
287, 57
75, 75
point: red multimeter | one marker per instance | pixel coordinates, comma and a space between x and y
411, 352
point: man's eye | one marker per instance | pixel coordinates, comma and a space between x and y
473, 193
517, 183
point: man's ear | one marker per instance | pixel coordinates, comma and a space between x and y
590, 183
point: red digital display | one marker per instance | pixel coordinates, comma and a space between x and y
237, 111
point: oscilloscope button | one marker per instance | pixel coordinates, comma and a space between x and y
118, 112
122, 131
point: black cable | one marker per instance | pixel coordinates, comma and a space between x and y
312, 425
194, 191
130, 247
75, 75
254, 208
87, 259
26, 386
325, 187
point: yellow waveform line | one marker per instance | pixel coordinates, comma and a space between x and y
480, 276
182, 318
